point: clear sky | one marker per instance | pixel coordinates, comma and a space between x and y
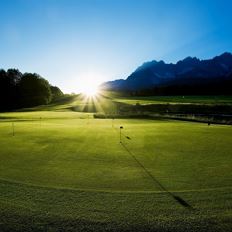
74, 43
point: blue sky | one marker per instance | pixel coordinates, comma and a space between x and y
76, 43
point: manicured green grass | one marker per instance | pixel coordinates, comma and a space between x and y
176, 99
69, 172
75, 103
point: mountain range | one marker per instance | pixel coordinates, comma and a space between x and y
190, 73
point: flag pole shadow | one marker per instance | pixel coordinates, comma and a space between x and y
178, 199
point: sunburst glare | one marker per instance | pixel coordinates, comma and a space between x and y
90, 91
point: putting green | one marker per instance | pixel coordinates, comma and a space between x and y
86, 154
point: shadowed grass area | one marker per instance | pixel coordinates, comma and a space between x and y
174, 99
28, 208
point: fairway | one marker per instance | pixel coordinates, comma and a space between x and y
74, 169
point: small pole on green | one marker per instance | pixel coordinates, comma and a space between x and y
121, 127
13, 129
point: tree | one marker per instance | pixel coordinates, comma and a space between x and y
14, 76
56, 92
24, 90
9, 93
34, 90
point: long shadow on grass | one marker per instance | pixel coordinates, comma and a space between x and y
178, 199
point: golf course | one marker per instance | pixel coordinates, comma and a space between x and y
65, 170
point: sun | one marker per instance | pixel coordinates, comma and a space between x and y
90, 91
89, 84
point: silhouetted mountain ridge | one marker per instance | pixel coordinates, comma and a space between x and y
189, 72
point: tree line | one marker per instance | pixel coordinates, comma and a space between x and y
18, 90
221, 87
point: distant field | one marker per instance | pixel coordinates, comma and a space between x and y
176, 99
65, 171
